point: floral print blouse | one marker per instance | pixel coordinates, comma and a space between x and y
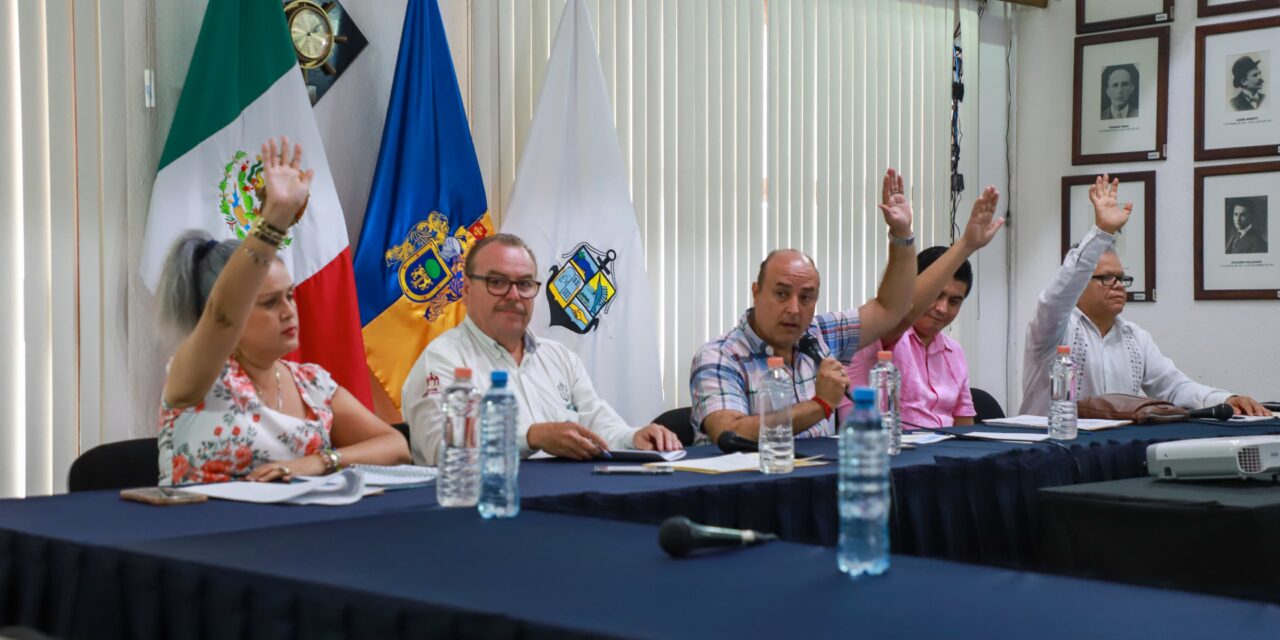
231, 431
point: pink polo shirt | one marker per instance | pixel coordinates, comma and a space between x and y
935, 379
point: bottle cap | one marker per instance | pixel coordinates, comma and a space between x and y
884, 355
462, 373
864, 395
776, 362
1064, 350
498, 378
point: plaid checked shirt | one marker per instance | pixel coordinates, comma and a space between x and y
726, 372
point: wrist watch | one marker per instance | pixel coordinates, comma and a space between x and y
902, 242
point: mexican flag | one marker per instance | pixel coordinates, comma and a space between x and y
243, 87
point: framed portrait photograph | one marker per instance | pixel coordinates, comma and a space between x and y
1206, 8
1093, 16
1121, 97
1236, 117
1237, 209
1136, 242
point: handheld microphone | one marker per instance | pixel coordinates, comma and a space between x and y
809, 347
1217, 412
730, 442
679, 537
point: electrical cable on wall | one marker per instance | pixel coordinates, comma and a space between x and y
957, 96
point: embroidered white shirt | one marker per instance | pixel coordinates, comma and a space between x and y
1126, 360
550, 385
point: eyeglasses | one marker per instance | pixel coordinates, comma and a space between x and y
500, 285
1110, 281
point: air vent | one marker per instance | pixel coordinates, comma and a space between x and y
1249, 460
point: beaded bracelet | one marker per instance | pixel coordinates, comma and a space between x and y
267, 233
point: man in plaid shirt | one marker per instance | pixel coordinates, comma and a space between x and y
727, 372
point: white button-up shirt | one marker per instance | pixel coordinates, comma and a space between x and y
1126, 360
550, 384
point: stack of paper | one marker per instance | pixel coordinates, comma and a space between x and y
398, 476
924, 437
1042, 422
728, 463
344, 487
627, 455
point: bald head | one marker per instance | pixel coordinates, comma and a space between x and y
784, 297
794, 258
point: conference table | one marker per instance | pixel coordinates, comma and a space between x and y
972, 501
397, 565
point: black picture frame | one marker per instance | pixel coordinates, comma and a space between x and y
1142, 135
1145, 181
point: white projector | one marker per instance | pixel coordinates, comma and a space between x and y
1206, 458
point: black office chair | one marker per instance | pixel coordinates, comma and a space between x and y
678, 421
403, 428
985, 406
116, 465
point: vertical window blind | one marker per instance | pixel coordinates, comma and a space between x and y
746, 125
62, 239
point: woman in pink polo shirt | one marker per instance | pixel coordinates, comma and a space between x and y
935, 377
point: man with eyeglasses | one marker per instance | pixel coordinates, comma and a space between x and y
1081, 309
560, 412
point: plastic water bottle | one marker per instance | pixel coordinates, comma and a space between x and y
887, 381
1062, 396
459, 481
777, 441
863, 490
499, 455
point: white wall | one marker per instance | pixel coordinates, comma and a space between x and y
1178, 322
981, 327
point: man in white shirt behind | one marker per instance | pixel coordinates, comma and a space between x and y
1081, 309
560, 412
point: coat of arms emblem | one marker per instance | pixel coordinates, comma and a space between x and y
240, 194
429, 262
582, 288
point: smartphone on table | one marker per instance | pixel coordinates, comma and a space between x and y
162, 496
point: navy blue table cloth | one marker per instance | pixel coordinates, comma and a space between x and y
960, 499
447, 573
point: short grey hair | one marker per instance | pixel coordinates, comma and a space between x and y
192, 267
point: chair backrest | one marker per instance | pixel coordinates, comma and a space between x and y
678, 421
116, 465
403, 428
985, 405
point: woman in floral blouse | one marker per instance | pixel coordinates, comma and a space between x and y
231, 408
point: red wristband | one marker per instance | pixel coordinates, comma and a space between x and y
826, 408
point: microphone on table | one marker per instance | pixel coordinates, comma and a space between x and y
1216, 412
730, 442
679, 537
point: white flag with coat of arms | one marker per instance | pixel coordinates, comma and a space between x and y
571, 204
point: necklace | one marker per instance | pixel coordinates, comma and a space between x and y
257, 389
279, 395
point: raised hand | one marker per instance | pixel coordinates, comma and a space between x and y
1108, 213
288, 186
983, 224
894, 204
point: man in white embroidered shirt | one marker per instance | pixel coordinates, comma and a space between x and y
560, 412
1081, 309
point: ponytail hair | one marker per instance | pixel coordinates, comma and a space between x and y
190, 270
